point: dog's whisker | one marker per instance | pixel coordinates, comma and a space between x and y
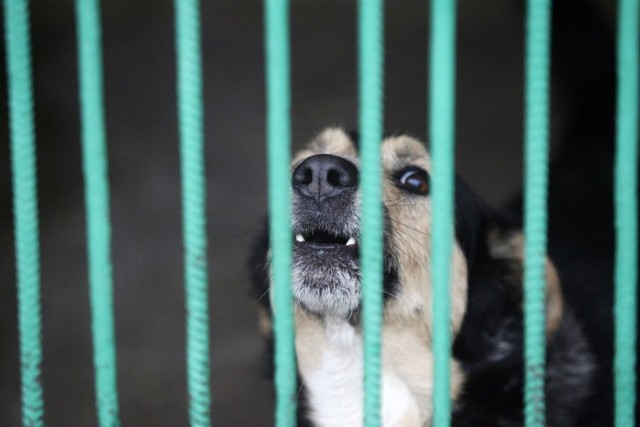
407, 226
265, 293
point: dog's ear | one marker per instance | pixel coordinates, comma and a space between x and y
493, 245
505, 247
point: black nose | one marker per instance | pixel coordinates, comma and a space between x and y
324, 176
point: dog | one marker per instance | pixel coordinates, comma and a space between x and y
486, 293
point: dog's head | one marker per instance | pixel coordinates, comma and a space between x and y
326, 220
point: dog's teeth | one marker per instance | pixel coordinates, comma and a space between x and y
299, 238
351, 241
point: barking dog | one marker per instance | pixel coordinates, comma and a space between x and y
486, 293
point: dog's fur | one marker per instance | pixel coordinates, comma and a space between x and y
487, 361
486, 294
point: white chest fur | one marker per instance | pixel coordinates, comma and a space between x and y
333, 376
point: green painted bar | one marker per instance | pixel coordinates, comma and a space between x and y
277, 51
97, 205
626, 214
192, 169
25, 206
371, 80
538, 40
442, 136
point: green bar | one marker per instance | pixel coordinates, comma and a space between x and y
442, 126
538, 36
626, 216
371, 78
190, 115
25, 206
277, 49
97, 206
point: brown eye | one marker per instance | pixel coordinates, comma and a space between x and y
414, 180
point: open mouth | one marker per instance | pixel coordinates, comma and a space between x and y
326, 269
326, 278
320, 237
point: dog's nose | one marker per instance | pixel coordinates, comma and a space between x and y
324, 176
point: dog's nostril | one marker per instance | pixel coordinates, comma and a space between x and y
336, 178
302, 176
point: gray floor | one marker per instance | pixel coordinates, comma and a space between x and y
141, 116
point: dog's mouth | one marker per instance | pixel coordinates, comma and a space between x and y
326, 271
325, 238
327, 250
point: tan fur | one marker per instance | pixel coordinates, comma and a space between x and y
511, 247
410, 231
310, 336
265, 325
407, 317
555, 302
328, 336
330, 141
406, 355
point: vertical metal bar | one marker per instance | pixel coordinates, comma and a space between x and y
371, 79
442, 127
538, 40
25, 206
97, 206
192, 168
626, 214
277, 50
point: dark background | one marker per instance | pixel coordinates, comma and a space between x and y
141, 115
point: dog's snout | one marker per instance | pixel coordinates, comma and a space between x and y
324, 176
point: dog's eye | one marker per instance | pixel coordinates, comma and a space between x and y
414, 180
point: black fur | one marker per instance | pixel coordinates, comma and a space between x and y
490, 342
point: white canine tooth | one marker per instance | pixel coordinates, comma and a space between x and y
351, 241
299, 238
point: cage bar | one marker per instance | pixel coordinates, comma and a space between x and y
537, 64
95, 168
277, 50
25, 206
626, 214
442, 136
371, 81
192, 170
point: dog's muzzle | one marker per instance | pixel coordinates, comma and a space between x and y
326, 228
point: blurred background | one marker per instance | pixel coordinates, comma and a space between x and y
139, 74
